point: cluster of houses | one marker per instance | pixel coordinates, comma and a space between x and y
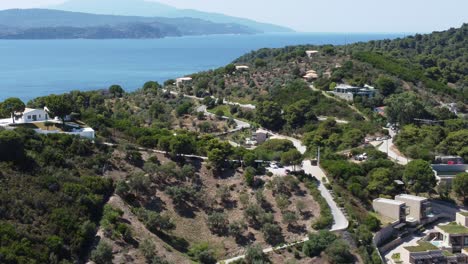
445, 243
31, 116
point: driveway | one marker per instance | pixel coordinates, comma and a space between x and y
340, 221
387, 146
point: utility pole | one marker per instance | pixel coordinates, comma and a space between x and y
318, 156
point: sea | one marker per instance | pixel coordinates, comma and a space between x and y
32, 68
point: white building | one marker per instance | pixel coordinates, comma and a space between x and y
183, 80
31, 115
392, 209
311, 53
242, 68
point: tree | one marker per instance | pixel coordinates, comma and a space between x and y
117, 90
230, 68
219, 114
292, 157
419, 176
460, 185
13, 105
255, 255
59, 105
403, 108
218, 222
148, 249
373, 223
299, 113
317, 243
102, 254
386, 85
11, 146
249, 159
259, 63
338, 253
289, 218
272, 233
268, 114
202, 253
381, 181
249, 176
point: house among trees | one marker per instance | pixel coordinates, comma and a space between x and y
242, 68
43, 124
348, 92
31, 115
311, 53
183, 80
409, 209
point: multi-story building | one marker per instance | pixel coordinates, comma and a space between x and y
391, 209
447, 243
419, 208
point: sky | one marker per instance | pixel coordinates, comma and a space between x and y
325, 15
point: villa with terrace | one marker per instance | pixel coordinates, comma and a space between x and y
348, 92
446, 243
39, 120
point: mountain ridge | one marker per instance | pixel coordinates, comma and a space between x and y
54, 24
152, 9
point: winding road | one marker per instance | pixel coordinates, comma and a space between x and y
340, 221
388, 147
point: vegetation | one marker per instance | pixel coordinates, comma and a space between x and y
55, 193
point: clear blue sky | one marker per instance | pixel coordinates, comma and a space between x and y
326, 15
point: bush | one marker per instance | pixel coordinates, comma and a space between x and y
255, 255
272, 234
202, 253
102, 254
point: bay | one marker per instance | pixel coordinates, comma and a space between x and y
32, 68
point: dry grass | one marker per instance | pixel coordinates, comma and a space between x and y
194, 228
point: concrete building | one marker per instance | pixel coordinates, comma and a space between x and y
419, 208
260, 136
393, 210
449, 160
447, 172
461, 218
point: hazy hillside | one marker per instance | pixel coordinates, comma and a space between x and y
44, 24
151, 9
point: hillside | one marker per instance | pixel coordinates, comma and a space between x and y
53, 24
161, 183
156, 9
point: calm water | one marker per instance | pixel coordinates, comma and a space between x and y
31, 68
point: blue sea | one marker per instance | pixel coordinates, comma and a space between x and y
32, 68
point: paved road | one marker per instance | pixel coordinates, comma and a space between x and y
340, 221
239, 123
387, 145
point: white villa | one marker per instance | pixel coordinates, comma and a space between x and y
31, 115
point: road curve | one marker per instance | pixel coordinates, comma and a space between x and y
339, 219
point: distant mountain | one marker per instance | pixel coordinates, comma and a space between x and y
53, 24
152, 9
